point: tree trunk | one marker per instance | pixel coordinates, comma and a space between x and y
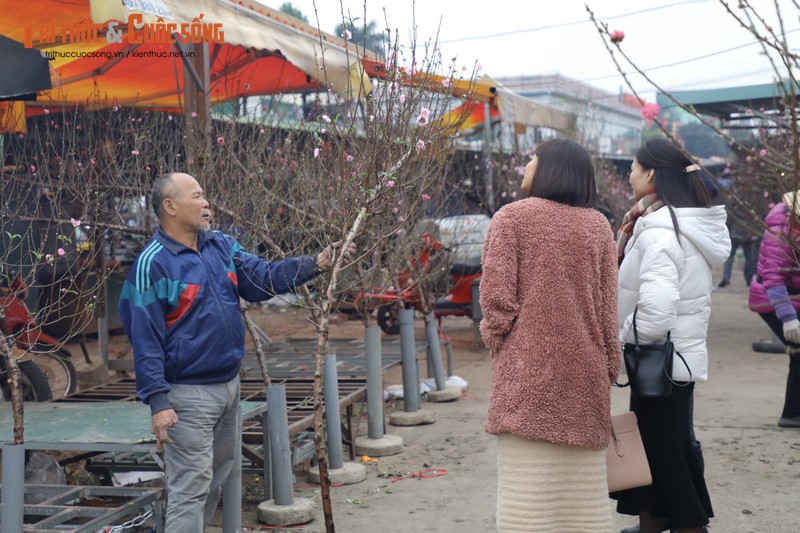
251, 327
320, 316
323, 328
15, 382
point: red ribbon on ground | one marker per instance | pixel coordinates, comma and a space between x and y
423, 474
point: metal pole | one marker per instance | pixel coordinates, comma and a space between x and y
435, 352
372, 343
409, 358
265, 454
487, 156
232, 488
12, 495
280, 449
333, 422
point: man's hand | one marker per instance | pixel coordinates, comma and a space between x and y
161, 421
326, 257
791, 331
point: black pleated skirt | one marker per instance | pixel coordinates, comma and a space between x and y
678, 492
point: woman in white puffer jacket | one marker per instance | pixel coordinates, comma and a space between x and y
667, 246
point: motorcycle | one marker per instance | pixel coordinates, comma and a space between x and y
41, 356
35, 385
421, 280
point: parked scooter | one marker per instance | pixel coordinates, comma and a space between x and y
44, 352
460, 300
35, 386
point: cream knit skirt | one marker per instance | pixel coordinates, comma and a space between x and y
549, 487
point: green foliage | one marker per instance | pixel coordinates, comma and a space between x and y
366, 35
289, 9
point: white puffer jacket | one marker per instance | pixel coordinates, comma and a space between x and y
671, 282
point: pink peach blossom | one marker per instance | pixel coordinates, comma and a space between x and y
650, 111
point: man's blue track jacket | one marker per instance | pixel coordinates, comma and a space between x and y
180, 309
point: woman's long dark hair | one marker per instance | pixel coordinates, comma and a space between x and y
675, 186
564, 174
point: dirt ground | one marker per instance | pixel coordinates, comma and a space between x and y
752, 466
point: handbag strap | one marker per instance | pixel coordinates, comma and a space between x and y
669, 376
667, 372
615, 441
636, 333
636, 343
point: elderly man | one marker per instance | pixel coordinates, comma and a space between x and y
180, 310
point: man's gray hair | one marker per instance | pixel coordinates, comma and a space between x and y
160, 187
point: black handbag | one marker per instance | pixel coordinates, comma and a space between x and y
649, 366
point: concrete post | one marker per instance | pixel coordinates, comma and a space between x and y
266, 454
434, 352
443, 392
232, 488
13, 492
333, 421
409, 358
372, 343
280, 449
338, 470
284, 509
412, 415
376, 443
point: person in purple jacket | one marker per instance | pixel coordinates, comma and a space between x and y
180, 309
775, 293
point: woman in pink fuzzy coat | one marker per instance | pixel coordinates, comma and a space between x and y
549, 301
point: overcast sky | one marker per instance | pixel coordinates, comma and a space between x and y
704, 45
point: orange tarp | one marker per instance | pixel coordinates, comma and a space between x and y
259, 51
262, 51
469, 116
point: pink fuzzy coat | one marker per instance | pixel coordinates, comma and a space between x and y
549, 301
